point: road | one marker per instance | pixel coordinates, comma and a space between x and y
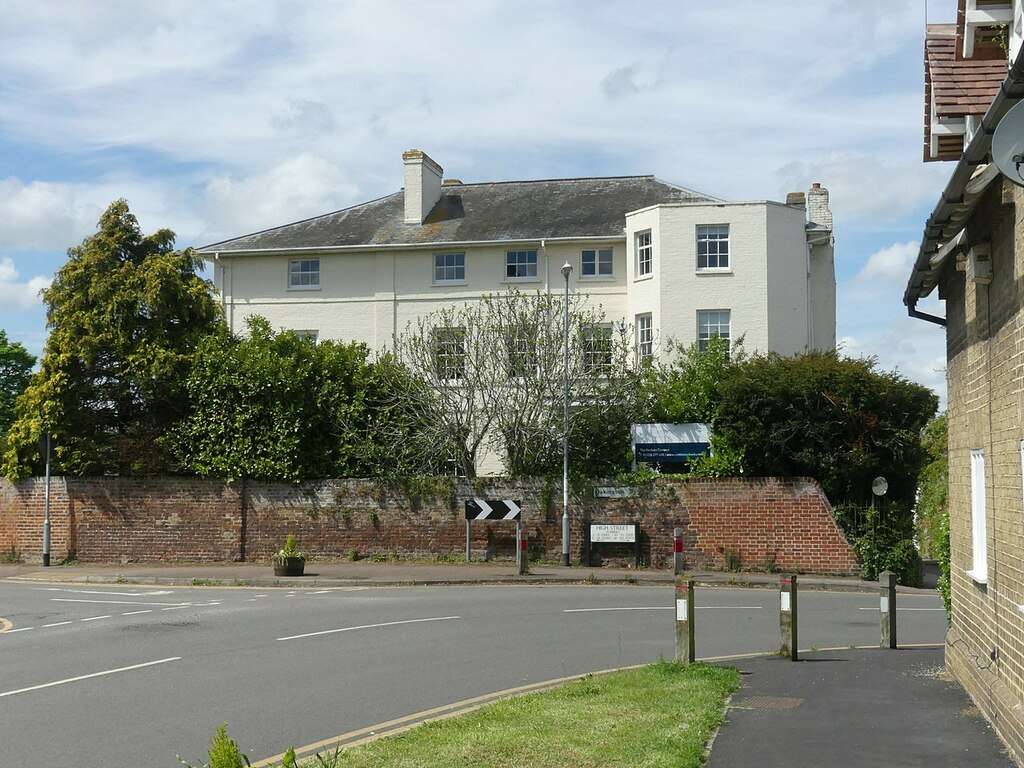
128, 676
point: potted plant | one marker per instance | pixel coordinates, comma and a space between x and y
289, 561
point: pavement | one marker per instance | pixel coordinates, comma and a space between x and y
850, 707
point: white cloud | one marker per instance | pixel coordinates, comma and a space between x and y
300, 187
39, 215
19, 295
889, 265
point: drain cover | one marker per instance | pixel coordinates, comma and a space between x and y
769, 702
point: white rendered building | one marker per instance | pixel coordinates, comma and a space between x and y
671, 262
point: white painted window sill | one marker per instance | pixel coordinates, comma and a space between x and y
597, 278
639, 278
303, 287
521, 280
442, 283
714, 271
978, 577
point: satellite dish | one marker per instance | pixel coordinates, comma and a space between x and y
879, 486
1008, 145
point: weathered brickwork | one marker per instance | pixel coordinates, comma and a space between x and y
985, 350
747, 523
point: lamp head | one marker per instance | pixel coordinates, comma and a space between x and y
566, 270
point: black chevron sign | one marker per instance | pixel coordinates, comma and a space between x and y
493, 509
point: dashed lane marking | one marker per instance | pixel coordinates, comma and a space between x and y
56, 624
96, 618
110, 602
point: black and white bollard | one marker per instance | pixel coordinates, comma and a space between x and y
788, 616
684, 622
887, 608
677, 550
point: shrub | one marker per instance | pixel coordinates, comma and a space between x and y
223, 752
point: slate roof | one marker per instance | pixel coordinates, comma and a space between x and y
499, 211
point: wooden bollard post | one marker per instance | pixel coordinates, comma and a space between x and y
788, 616
684, 622
887, 608
677, 550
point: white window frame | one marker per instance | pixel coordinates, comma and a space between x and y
979, 524
702, 340
308, 333
525, 268
710, 235
598, 348
644, 244
314, 275
449, 352
602, 263
644, 337
443, 269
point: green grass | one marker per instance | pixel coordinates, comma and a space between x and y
659, 715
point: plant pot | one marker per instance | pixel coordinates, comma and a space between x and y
292, 566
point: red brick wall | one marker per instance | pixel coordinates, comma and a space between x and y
755, 523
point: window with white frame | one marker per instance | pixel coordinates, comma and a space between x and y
596, 262
308, 334
597, 348
713, 246
521, 353
449, 267
304, 273
644, 254
450, 352
713, 324
521, 265
979, 533
644, 337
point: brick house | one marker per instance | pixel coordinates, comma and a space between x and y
973, 253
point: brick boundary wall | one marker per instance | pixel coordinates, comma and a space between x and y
749, 523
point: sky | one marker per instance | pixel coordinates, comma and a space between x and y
217, 118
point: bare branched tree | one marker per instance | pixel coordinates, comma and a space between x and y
493, 372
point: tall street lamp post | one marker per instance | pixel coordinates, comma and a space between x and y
566, 271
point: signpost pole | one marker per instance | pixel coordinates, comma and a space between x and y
787, 616
677, 549
685, 645
887, 606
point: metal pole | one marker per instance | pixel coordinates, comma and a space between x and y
788, 617
566, 271
46, 508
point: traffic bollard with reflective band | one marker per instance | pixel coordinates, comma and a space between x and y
788, 616
677, 549
684, 622
887, 608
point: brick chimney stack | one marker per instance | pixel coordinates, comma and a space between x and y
422, 185
817, 206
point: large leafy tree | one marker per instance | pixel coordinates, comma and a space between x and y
125, 314
15, 372
274, 406
820, 415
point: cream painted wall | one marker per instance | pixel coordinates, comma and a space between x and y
788, 301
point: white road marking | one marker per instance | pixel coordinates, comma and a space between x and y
903, 609
176, 607
666, 608
109, 602
97, 618
369, 626
57, 624
22, 629
152, 593
321, 592
136, 613
87, 677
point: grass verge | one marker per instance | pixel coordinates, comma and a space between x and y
659, 715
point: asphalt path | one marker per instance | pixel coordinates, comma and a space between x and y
129, 676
